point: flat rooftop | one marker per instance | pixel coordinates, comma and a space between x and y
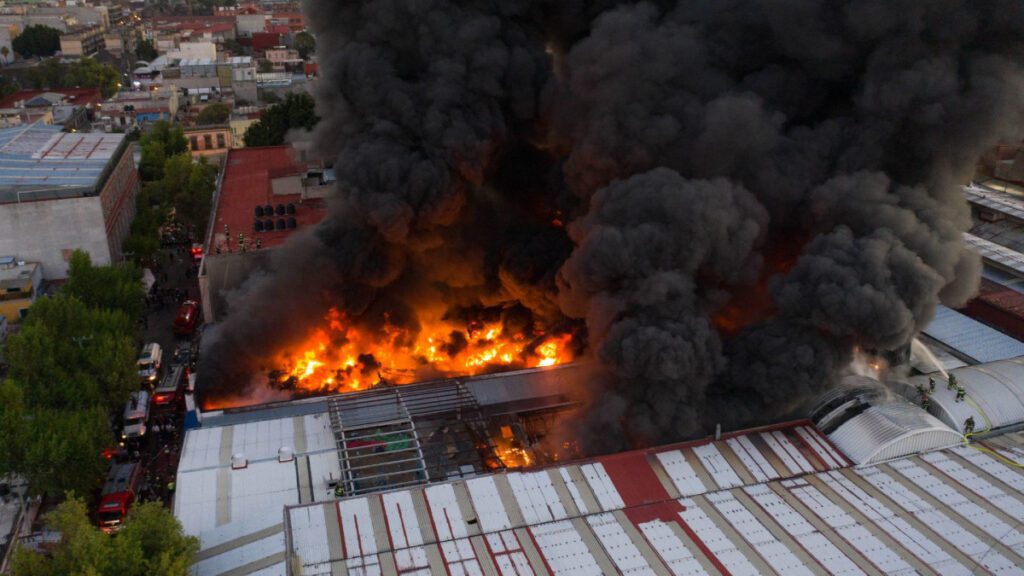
781, 500
248, 173
40, 162
16, 276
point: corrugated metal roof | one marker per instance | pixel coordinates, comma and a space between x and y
211, 494
892, 430
995, 395
972, 338
999, 201
656, 512
996, 254
38, 157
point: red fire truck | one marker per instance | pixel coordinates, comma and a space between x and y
169, 393
118, 496
187, 318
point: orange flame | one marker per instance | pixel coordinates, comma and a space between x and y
341, 357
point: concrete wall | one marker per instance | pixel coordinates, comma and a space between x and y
224, 273
48, 231
246, 24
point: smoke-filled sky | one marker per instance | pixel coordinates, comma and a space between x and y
731, 195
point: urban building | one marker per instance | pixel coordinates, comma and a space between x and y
282, 58
249, 24
83, 41
208, 140
361, 483
61, 192
264, 196
240, 122
72, 108
195, 50
20, 284
128, 110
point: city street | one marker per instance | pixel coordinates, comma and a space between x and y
158, 452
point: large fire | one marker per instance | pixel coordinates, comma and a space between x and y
341, 357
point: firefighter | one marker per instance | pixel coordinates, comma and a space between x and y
339, 490
969, 425
921, 391
951, 383
170, 486
925, 401
931, 384
960, 394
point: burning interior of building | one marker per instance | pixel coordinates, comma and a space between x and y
716, 205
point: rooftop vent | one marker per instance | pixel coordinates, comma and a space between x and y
285, 454
238, 461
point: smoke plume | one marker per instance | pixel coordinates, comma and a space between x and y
731, 196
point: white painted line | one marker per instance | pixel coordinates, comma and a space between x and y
564, 550
720, 546
856, 535
618, 545
602, 486
892, 524
939, 522
681, 473
673, 552
803, 532
774, 552
717, 466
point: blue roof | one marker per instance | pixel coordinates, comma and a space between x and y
971, 338
39, 161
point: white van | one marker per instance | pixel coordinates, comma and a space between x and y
149, 362
136, 413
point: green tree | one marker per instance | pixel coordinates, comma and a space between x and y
145, 50
232, 45
162, 141
115, 287
63, 450
304, 43
264, 66
216, 113
143, 241
187, 187
12, 426
37, 40
153, 530
296, 111
85, 72
151, 543
69, 356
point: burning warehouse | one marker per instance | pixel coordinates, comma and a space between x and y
715, 204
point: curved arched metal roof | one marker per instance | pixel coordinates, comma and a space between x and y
890, 430
995, 395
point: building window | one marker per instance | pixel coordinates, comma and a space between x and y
207, 141
220, 141
195, 142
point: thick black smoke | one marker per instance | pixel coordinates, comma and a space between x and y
803, 153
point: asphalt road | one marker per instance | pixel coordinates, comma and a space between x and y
159, 450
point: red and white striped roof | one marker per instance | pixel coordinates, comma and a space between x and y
775, 501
